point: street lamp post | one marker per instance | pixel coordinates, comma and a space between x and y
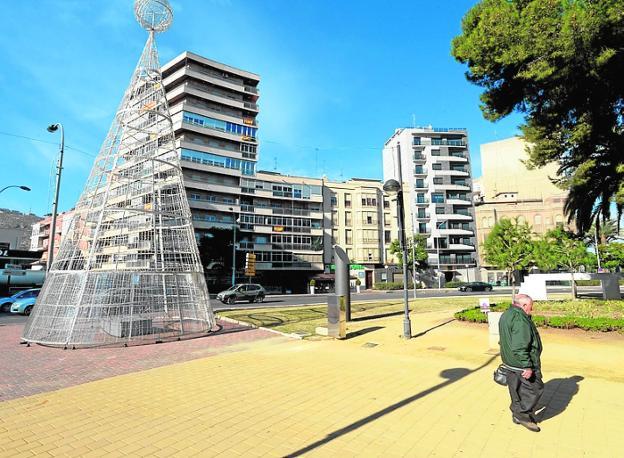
437, 242
233, 248
23, 188
413, 258
59, 167
392, 186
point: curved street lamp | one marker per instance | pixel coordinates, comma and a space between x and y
59, 167
23, 188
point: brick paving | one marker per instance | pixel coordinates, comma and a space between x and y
25, 371
430, 396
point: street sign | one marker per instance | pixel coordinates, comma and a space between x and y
250, 264
4, 249
484, 304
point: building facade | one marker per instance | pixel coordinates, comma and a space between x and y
507, 189
433, 165
363, 221
40, 238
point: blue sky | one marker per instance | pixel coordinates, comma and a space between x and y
336, 79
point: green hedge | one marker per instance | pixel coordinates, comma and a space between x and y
454, 284
592, 282
393, 285
475, 315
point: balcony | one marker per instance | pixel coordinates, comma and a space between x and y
448, 142
420, 171
419, 157
422, 202
421, 186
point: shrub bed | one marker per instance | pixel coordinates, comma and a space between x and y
393, 285
601, 316
453, 284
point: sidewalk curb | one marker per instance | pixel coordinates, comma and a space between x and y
253, 326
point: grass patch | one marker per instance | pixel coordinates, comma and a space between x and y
588, 314
305, 319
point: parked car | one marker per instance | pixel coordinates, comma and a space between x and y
6, 302
23, 306
476, 286
248, 292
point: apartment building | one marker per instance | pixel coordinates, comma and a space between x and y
363, 221
433, 165
281, 221
40, 237
507, 189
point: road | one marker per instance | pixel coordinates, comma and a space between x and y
294, 300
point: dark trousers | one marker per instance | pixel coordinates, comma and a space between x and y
524, 393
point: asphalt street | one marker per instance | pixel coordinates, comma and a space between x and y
294, 300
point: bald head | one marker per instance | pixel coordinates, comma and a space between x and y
525, 302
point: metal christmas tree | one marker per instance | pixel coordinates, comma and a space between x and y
128, 270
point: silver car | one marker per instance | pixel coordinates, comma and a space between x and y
248, 292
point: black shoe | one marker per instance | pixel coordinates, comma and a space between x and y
530, 425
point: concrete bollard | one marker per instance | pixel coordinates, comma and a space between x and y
493, 319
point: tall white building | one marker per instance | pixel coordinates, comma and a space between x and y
433, 165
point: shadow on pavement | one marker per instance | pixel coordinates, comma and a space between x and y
451, 376
422, 333
559, 393
360, 332
374, 317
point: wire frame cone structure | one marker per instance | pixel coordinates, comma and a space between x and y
128, 270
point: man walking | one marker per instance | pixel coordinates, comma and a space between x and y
520, 348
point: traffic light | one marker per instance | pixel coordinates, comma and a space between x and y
250, 264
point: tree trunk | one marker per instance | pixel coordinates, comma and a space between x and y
513, 285
573, 284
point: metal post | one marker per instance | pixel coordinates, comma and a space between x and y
407, 325
436, 240
596, 242
413, 257
59, 169
234, 256
341, 285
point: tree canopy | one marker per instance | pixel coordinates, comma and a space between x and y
560, 63
419, 245
509, 246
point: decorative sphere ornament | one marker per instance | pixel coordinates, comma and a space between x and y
153, 15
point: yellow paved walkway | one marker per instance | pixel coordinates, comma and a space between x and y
431, 396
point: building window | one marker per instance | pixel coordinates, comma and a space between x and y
420, 183
436, 166
422, 228
347, 200
348, 237
537, 219
437, 198
418, 170
437, 180
334, 218
334, 199
386, 203
387, 237
439, 210
335, 237
347, 218
422, 213
420, 198
369, 201
386, 219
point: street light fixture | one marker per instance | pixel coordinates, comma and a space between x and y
59, 167
392, 186
23, 188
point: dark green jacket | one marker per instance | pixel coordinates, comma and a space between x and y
520, 343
